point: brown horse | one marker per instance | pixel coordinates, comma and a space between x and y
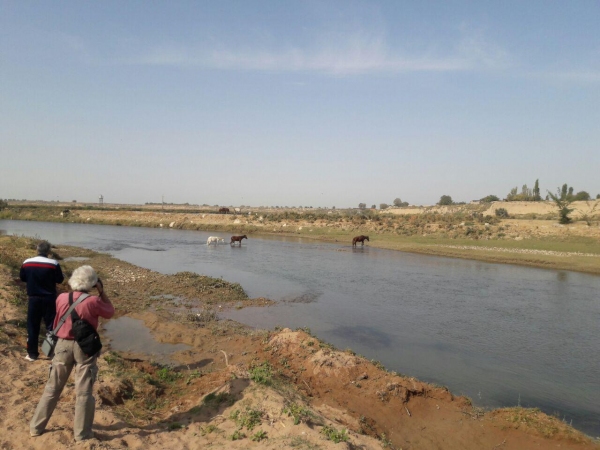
360, 239
224, 211
235, 239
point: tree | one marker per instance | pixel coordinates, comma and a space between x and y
526, 193
362, 205
590, 213
582, 196
489, 199
383, 206
563, 192
399, 203
597, 196
562, 204
512, 195
536, 191
445, 200
373, 206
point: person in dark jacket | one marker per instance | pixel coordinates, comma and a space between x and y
41, 274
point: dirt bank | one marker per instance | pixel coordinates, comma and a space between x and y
236, 387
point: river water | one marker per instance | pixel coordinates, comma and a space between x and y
503, 335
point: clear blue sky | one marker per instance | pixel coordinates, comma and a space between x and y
313, 103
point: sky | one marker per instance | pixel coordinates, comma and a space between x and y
297, 103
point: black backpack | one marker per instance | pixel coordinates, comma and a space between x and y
85, 334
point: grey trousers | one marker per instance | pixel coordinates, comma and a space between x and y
67, 354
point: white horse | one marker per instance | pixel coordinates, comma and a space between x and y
215, 240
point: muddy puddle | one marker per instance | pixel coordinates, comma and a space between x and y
132, 336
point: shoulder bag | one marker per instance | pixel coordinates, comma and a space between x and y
51, 338
85, 334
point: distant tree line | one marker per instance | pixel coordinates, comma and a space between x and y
526, 194
397, 203
533, 195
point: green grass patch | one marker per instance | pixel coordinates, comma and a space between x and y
262, 374
248, 418
334, 435
298, 412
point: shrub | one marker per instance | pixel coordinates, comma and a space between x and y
489, 199
262, 374
562, 203
334, 435
167, 375
259, 436
298, 412
502, 212
248, 418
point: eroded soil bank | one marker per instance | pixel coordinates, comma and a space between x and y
236, 387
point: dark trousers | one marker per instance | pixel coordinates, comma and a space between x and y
39, 308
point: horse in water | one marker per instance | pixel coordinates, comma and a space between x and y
360, 239
215, 240
235, 239
223, 210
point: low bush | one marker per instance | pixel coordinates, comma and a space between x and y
502, 213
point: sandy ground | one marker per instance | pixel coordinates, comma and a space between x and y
193, 405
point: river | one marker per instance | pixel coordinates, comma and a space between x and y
503, 335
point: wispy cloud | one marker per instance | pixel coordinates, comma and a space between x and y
570, 76
346, 55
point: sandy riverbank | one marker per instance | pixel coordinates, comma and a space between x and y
234, 382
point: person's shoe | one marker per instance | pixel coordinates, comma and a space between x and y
31, 358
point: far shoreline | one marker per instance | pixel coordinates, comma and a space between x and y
566, 248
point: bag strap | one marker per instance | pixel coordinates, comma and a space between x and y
72, 306
74, 316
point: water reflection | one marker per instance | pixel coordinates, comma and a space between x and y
132, 336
